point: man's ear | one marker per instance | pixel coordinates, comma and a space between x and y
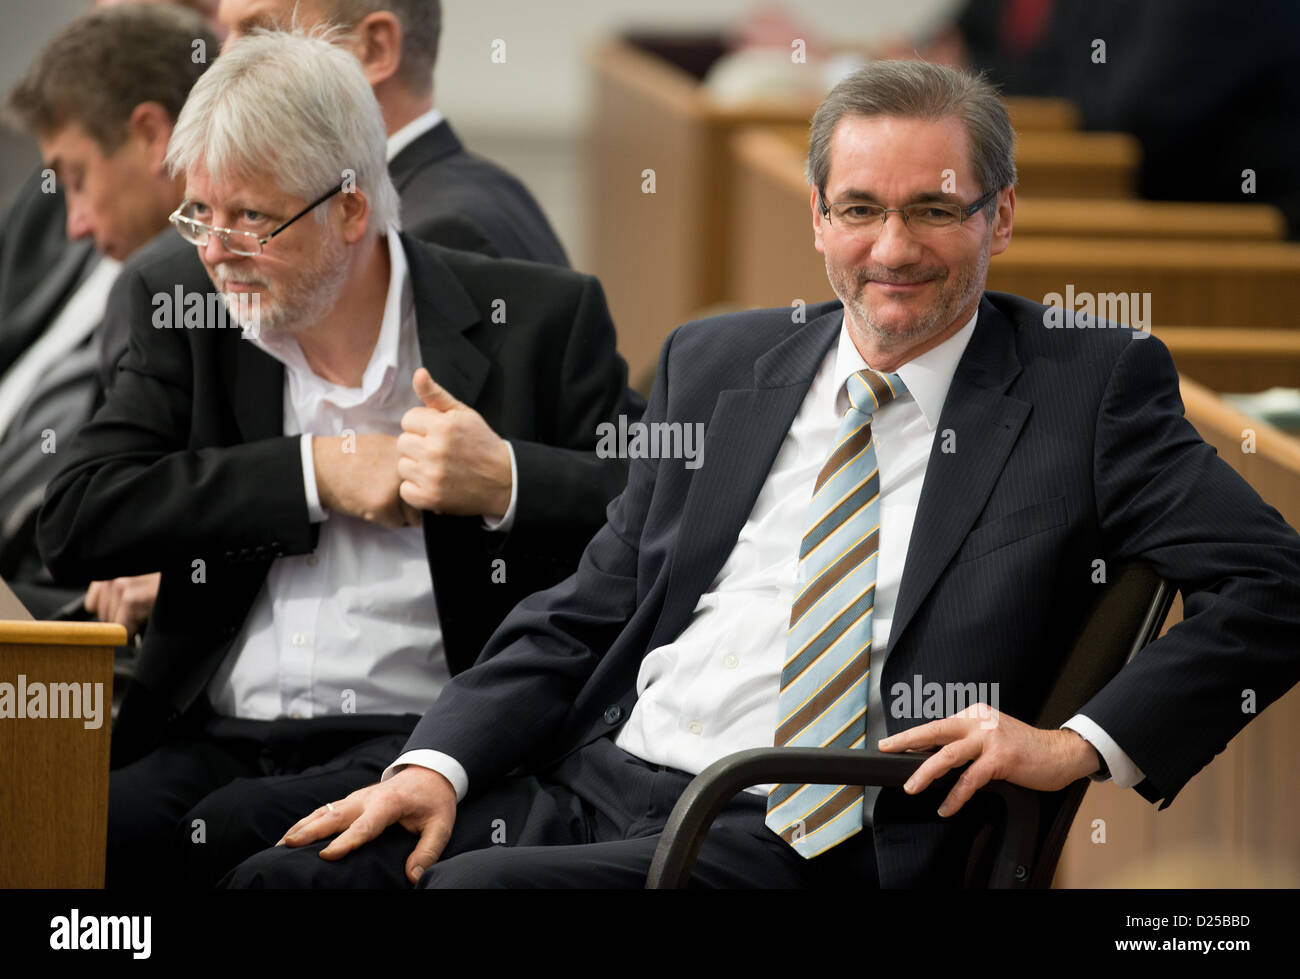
356, 214
817, 222
379, 46
1003, 218
150, 125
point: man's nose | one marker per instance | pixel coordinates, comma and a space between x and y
79, 223
215, 251
895, 243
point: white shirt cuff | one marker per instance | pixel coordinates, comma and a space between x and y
1123, 772
506, 522
315, 512
445, 765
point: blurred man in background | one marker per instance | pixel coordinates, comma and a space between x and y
101, 100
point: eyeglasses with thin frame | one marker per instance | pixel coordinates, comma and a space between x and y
860, 218
238, 242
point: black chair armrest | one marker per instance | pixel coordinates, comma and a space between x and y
714, 787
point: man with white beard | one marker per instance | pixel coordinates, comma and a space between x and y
345, 497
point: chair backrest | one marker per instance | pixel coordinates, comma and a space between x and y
1128, 614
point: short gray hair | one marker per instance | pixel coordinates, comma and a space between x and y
421, 22
293, 106
920, 90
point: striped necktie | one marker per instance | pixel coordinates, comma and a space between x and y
823, 699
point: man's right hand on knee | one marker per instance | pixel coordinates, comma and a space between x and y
420, 799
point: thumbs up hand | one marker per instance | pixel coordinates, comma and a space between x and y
449, 459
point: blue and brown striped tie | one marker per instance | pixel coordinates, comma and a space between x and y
823, 700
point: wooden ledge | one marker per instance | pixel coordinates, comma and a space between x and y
62, 633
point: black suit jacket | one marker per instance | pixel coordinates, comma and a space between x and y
452, 197
187, 460
1070, 446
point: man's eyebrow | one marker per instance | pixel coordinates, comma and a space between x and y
234, 204
920, 197
262, 20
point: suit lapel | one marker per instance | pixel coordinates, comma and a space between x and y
438, 142
257, 383
985, 424
444, 311
36, 312
740, 444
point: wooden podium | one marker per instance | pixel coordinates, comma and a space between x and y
54, 769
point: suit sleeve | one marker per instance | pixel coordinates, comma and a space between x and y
563, 485
491, 717
133, 497
1165, 497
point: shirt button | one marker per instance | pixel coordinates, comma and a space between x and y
298, 639
612, 713
731, 661
312, 560
695, 727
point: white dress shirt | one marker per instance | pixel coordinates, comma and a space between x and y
351, 627
80, 314
713, 690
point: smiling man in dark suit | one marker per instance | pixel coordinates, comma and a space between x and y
915, 485
346, 495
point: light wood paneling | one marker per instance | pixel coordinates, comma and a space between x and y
54, 786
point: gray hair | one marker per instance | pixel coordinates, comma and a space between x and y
421, 22
293, 106
920, 90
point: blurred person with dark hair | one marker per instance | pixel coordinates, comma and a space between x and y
207, 9
101, 99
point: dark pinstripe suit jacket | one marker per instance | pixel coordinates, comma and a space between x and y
1070, 446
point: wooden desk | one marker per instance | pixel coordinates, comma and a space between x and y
1231, 284
54, 786
1048, 164
1226, 358
1074, 218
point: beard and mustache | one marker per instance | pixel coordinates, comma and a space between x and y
954, 290
294, 300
